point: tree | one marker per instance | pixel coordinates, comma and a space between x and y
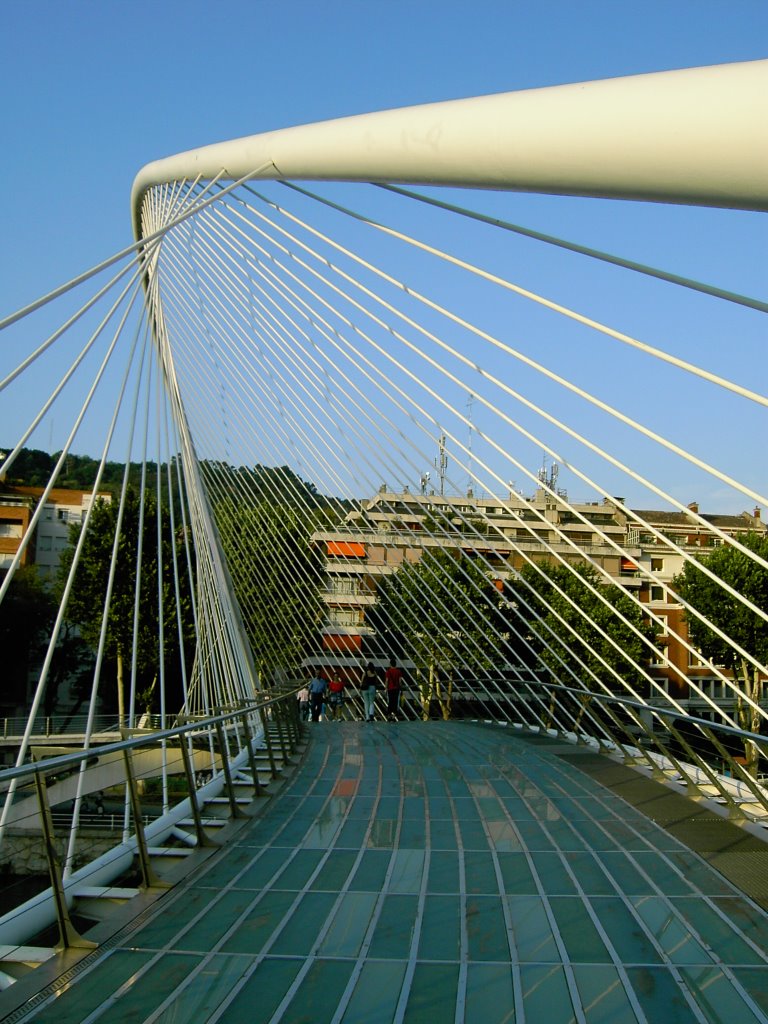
585, 633
86, 605
443, 614
27, 614
744, 628
278, 577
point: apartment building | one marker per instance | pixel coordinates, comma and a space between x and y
62, 508
640, 550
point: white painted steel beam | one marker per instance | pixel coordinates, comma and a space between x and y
695, 136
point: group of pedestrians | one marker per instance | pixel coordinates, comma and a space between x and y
325, 698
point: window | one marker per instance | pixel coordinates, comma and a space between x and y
659, 657
10, 529
657, 565
657, 593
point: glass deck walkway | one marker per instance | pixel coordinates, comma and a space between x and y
448, 872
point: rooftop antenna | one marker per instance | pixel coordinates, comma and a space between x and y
441, 463
470, 402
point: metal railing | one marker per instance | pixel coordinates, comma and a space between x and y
155, 790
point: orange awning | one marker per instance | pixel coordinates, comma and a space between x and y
345, 549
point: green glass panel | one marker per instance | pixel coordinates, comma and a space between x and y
443, 835
589, 874
473, 835
335, 871
628, 878
443, 871
720, 1002
299, 869
371, 871
670, 933
219, 917
480, 872
603, 997
89, 990
660, 996
252, 933
554, 877
407, 871
624, 931
658, 868
352, 833
750, 921
531, 930
257, 875
700, 874
503, 836
490, 995
261, 994
346, 934
720, 936
207, 990
389, 807
545, 995
301, 931
414, 807
136, 1001
162, 928
440, 937
376, 994
440, 807
394, 929
533, 837
580, 937
516, 873
432, 996
383, 832
318, 995
413, 833
754, 982
486, 929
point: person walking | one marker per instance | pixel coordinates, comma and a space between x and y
317, 686
335, 696
368, 686
393, 679
303, 698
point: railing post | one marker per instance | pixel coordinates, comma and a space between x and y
151, 880
257, 787
189, 771
224, 754
69, 937
277, 716
268, 741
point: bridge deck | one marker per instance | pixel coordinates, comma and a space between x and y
441, 873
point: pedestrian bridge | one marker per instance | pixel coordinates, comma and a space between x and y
245, 376
443, 871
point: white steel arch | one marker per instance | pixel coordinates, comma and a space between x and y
692, 136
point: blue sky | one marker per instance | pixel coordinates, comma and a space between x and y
93, 90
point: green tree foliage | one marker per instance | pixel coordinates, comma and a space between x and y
584, 633
27, 615
278, 576
87, 602
443, 614
744, 627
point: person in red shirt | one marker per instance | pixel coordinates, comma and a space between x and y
393, 678
335, 696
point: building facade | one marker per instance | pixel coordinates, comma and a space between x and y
640, 550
